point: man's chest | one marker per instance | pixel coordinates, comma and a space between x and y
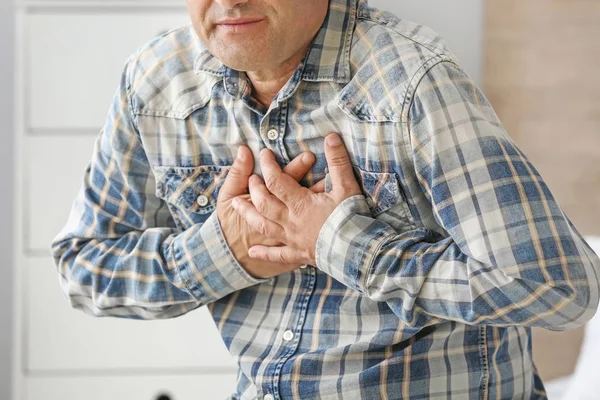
191, 154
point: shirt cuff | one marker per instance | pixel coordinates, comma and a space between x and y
206, 263
349, 242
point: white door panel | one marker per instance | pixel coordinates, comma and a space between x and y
75, 62
59, 337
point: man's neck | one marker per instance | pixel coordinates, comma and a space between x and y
268, 82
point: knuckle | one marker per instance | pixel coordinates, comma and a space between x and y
293, 230
339, 161
261, 204
298, 207
240, 209
271, 182
354, 188
261, 227
234, 172
280, 216
281, 257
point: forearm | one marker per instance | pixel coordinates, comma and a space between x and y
152, 274
422, 275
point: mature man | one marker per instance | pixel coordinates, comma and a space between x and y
407, 257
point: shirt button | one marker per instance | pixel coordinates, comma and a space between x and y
202, 200
288, 335
272, 134
269, 397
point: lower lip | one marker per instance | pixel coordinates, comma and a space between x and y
240, 27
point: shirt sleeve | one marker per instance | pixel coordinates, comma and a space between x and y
510, 256
120, 253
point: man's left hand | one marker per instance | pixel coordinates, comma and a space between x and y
282, 209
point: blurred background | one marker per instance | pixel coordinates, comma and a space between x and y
536, 60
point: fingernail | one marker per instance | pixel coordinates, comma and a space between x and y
307, 158
234, 203
240, 154
334, 140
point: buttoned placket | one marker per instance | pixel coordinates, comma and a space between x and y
290, 336
272, 131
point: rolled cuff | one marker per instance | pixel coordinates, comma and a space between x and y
206, 263
349, 242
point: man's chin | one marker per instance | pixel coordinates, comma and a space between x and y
242, 63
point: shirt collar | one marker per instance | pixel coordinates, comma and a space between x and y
329, 56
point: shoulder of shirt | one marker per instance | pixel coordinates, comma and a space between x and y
389, 57
161, 77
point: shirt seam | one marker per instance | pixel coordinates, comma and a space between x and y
484, 363
371, 266
409, 100
129, 95
415, 82
180, 264
435, 50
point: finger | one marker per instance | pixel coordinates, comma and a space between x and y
265, 203
236, 182
318, 187
271, 242
262, 225
283, 186
300, 165
281, 254
340, 168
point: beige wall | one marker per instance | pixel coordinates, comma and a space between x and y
542, 74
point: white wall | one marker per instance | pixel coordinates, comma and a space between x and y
460, 22
6, 192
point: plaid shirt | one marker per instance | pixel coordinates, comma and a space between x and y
426, 285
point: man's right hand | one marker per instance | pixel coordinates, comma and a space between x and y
239, 236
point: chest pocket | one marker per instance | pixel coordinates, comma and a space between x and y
190, 192
384, 196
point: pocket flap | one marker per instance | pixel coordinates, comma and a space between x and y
194, 189
381, 189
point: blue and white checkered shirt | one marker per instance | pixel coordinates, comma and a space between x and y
426, 285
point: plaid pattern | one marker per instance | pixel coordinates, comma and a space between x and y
426, 285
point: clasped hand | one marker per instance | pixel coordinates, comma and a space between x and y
280, 209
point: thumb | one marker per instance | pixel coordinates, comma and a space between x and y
236, 182
343, 180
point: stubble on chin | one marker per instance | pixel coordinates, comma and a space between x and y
248, 55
